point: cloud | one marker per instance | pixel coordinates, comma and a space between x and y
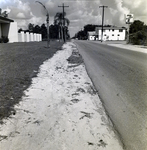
18, 9
21, 16
118, 13
138, 8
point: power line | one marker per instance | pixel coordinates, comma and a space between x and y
63, 6
103, 7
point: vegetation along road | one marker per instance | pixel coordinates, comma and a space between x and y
120, 77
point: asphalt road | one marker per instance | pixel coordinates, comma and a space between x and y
120, 76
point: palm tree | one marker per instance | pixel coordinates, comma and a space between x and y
62, 22
58, 20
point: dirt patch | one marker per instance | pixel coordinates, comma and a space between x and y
75, 100
75, 59
88, 115
19, 63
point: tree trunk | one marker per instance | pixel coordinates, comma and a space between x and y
62, 32
59, 30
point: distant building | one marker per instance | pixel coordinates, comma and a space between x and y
8, 28
111, 33
92, 35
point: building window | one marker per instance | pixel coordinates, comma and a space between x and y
120, 30
112, 34
118, 35
112, 29
105, 35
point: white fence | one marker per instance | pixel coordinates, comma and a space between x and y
29, 37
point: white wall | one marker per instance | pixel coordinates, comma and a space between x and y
112, 35
29, 37
35, 37
13, 32
21, 37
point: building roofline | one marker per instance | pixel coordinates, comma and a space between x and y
4, 19
116, 28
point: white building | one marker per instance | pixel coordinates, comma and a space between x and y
91, 35
8, 28
111, 33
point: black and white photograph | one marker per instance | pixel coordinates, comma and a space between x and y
73, 75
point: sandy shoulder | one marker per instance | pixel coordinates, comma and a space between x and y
137, 48
59, 111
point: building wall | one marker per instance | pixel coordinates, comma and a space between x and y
5, 29
10, 30
13, 32
29, 37
112, 34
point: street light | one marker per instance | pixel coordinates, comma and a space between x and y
47, 20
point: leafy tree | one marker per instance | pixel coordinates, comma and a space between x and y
138, 33
44, 31
3, 14
136, 26
37, 29
58, 20
81, 35
30, 27
54, 31
89, 27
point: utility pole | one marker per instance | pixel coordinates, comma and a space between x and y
47, 20
64, 37
103, 7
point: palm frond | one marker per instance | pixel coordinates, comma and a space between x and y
66, 21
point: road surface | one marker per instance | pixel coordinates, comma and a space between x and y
120, 76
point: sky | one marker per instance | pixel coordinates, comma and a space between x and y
79, 12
